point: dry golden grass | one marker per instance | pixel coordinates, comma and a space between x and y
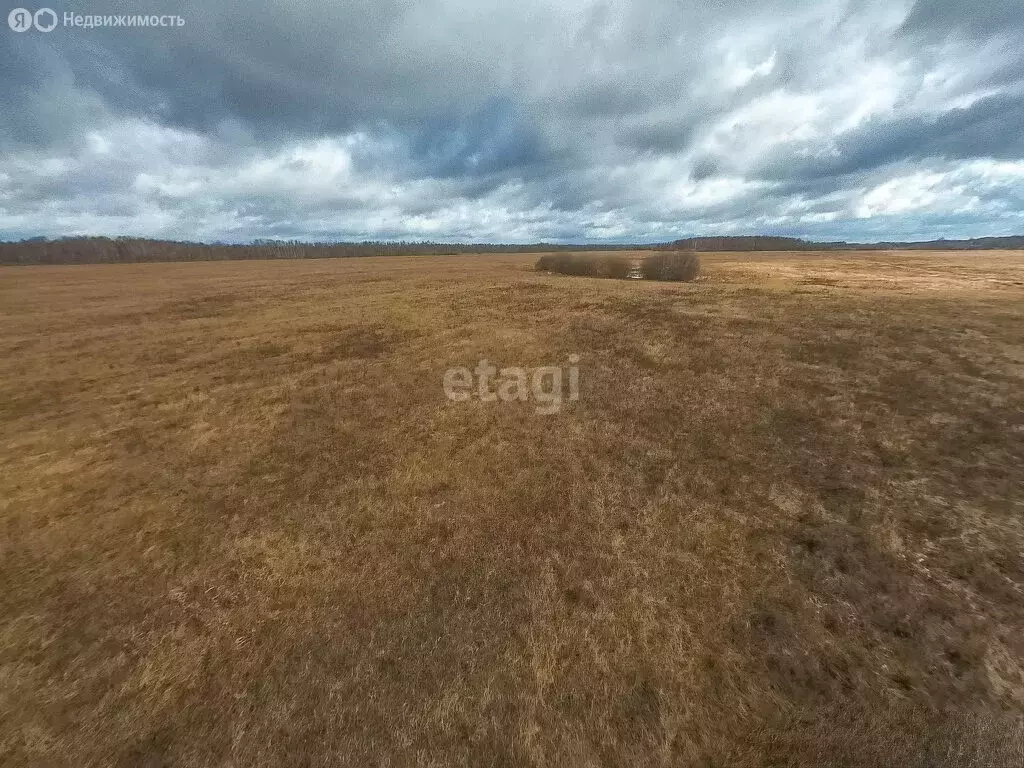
782, 526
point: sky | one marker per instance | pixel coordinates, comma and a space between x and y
535, 120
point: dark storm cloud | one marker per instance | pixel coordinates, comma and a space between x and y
43, 105
990, 128
703, 168
980, 19
282, 68
492, 139
593, 119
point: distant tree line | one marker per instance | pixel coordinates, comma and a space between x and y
122, 250
746, 243
767, 243
125, 250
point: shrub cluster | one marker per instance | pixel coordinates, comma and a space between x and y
682, 266
586, 264
659, 265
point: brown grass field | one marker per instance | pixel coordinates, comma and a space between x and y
782, 525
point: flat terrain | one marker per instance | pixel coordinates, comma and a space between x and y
783, 524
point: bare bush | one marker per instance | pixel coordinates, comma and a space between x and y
614, 266
679, 266
585, 264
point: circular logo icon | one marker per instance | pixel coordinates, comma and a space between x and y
20, 20
45, 19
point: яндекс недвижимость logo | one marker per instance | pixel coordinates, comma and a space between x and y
46, 20
22, 20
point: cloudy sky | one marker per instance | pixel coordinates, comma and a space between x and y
489, 120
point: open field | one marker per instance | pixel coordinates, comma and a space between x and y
783, 524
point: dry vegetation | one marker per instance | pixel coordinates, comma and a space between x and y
678, 266
671, 266
586, 264
243, 526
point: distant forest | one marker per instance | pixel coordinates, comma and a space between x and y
766, 243
104, 250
